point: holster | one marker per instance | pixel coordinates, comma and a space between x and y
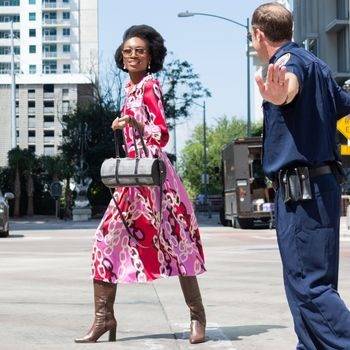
338, 171
295, 184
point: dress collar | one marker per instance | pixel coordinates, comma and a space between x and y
130, 88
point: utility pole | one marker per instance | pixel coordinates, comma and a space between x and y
205, 162
13, 92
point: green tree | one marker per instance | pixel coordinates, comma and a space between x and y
31, 165
181, 88
191, 164
22, 162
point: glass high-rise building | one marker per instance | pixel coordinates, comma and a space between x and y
56, 59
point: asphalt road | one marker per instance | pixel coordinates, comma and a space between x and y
46, 294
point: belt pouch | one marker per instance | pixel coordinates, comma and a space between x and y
304, 176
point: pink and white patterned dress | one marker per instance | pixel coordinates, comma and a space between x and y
154, 249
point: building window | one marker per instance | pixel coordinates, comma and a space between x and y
66, 31
66, 48
9, 2
49, 118
32, 32
31, 148
50, 88
66, 15
31, 2
32, 69
32, 49
66, 1
65, 92
32, 16
31, 133
66, 68
341, 43
6, 50
9, 18
31, 104
49, 67
17, 133
6, 34
49, 133
341, 9
5, 67
49, 104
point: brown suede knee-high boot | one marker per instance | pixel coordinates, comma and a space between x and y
104, 295
192, 294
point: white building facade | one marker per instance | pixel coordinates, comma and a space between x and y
56, 59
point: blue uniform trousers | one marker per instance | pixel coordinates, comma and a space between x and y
308, 239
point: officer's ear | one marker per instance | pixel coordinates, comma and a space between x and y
259, 35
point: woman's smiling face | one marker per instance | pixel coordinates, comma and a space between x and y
136, 56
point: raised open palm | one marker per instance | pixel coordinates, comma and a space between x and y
275, 88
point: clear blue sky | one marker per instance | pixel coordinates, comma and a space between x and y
214, 47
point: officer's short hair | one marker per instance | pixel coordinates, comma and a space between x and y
274, 20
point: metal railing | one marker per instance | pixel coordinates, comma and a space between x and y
50, 54
56, 5
48, 70
55, 21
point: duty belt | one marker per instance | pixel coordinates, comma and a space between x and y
312, 171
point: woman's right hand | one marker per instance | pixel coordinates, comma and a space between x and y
120, 123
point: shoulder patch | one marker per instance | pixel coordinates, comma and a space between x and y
283, 59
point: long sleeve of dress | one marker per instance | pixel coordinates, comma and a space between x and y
155, 129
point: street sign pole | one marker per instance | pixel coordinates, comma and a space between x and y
56, 193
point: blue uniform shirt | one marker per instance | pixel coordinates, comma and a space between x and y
304, 131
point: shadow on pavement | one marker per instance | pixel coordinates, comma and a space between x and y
51, 225
230, 333
12, 236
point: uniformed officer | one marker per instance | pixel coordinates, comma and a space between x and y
301, 106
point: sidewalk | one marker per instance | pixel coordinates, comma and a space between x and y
46, 295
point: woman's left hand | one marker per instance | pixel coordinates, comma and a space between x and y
120, 123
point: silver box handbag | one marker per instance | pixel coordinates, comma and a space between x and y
120, 172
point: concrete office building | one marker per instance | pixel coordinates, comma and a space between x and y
56, 58
323, 27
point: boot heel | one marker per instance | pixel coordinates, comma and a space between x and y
112, 334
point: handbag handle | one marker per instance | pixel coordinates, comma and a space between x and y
116, 143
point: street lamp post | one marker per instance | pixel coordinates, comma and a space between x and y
205, 161
13, 92
205, 158
246, 26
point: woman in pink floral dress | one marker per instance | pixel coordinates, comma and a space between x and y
160, 244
